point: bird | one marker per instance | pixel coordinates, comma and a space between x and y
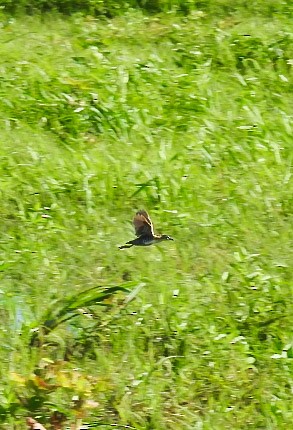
145, 231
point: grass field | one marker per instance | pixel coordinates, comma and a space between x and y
189, 117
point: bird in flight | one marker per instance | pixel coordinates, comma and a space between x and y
145, 231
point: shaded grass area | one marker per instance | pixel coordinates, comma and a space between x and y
191, 119
112, 8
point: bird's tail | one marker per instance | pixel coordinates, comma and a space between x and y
126, 246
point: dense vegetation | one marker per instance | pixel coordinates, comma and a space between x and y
113, 8
186, 112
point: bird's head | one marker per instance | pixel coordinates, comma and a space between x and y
166, 237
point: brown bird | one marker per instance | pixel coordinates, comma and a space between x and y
145, 231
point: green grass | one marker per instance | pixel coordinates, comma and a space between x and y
191, 119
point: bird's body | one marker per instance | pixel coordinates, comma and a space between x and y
145, 232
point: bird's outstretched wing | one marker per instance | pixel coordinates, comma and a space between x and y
143, 224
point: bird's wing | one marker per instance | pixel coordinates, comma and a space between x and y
143, 224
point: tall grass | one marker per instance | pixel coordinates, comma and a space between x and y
112, 8
189, 117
